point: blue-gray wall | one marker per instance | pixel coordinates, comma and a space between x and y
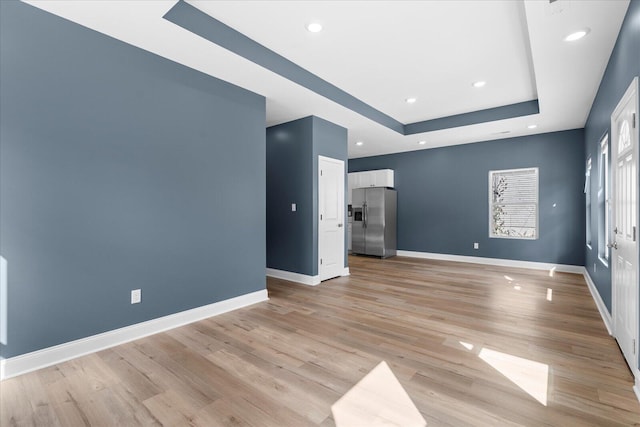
443, 201
292, 177
119, 170
290, 180
624, 65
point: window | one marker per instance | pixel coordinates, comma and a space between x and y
513, 203
587, 192
603, 201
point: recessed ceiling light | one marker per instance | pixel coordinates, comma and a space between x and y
410, 100
480, 83
532, 126
314, 27
577, 35
422, 142
359, 143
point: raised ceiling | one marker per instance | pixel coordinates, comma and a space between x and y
376, 54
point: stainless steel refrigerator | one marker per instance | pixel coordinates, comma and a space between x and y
374, 221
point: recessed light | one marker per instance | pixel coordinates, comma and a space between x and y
422, 142
532, 126
314, 27
577, 35
359, 143
410, 100
480, 83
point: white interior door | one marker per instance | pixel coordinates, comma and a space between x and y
624, 158
331, 227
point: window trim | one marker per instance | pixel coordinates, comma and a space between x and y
588, 204
603, 187
537, 203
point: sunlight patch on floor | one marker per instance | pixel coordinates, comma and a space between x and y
377, 400
466, 345
530, 376
549, 294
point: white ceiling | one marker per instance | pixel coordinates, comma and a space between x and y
382, 52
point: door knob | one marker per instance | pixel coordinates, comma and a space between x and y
339, 225
613, 245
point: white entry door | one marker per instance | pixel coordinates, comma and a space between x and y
624, 159
331, 227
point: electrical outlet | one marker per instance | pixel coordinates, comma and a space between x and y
476, 245
136, 296
293, 207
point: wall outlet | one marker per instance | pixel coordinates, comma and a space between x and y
293, 207
476, 245
136, 296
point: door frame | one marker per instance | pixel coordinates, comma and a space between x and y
633, 87
345, 270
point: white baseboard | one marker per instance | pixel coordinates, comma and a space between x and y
636, 387
60, 353
602, 308
293, 277
578, 269
300, 278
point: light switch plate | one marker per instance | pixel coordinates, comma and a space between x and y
293, 207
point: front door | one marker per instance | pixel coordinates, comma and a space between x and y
331, 229
624, 157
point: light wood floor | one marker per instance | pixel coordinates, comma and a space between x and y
450, 333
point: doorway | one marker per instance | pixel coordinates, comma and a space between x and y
331, 229
624, 161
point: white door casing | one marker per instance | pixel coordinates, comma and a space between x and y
331, 226
624, 159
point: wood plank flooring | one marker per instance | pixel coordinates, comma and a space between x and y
472, 345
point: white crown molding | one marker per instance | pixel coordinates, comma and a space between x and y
60, 353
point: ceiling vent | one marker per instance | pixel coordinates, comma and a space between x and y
556, 7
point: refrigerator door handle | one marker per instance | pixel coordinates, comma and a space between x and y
364, 215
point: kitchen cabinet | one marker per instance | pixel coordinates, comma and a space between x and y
374, 178
379, 178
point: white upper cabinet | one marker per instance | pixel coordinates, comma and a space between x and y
381, 178
375, 178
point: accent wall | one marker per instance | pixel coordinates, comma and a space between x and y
119, 170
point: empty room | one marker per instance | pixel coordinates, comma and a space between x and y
319, 213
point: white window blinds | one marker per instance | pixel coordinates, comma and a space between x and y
513, 203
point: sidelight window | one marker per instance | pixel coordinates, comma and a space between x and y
603, 201
587, 194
